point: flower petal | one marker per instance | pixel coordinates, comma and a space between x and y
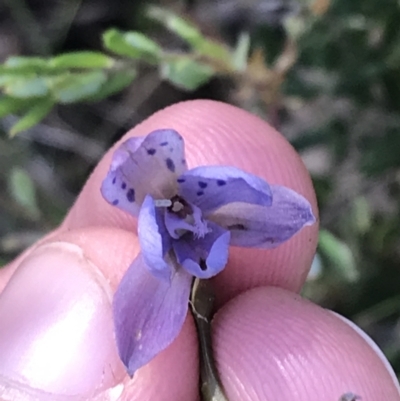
154, 239
115, 188
148, 313
266, 227
210, 187
151, 168
203, 257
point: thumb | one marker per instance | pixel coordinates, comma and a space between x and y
56, 336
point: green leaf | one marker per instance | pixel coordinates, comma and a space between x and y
361, 216
214, 50
114, 84
23, 191
82, 59
131, 44
33, 116
241, 52
26, 87
339, 255
6, 78
142, 44
10, 105
189, 32
26, 64
70, 88
186, 73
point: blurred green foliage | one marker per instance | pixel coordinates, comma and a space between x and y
33, 85
325, 73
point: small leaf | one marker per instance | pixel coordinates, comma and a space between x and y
114, 84
360, 215
26, 87
339, 255
131, 44
241, 52
186, 73
82, 59
190, 33
213, 50
23, 191
10, 105
70, 88
176, 24
26, 64
33, 116
6, 78
142, 44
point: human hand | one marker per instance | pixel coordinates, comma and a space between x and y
56, 330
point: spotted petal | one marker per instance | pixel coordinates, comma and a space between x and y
115, 188
210, 187
154, 239
150, 168
203, 257
148, 313
266, 227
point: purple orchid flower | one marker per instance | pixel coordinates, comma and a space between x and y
187, 219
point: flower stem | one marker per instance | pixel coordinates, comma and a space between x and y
202, 302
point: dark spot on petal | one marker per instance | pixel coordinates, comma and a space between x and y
239, 226
170, 164
114, 179
163, 143
180, 138
123, 186
200, 193
183, 161
115, 202
151, 151
220, 183
130, 195
180, 180
203, 264
202, 184
171, 149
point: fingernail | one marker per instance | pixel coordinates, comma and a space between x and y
56, 331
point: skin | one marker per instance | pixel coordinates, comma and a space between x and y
56, 330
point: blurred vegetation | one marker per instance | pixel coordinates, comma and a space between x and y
326, 73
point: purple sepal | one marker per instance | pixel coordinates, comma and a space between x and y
266, 227
148, 313
115, 188
211, 187
150, 168
154, 239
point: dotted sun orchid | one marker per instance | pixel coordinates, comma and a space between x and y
187, 219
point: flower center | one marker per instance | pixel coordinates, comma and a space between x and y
182, 218
180, 207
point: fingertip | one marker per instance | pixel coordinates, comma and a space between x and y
272, 344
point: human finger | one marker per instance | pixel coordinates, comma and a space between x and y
56, 337
270, 344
